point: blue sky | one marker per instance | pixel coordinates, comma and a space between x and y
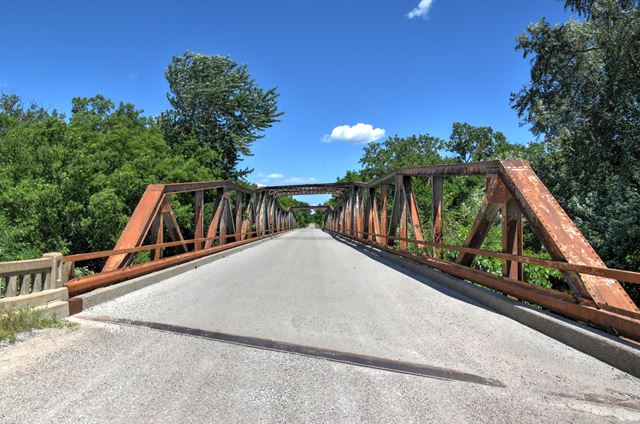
396, 66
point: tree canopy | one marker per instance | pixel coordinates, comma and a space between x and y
217, 111
583, 100
71, 185
583, 97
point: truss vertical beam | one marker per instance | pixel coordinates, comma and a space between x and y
412, 210
199, 218
218, 206
512, 239
384, 230
157, 235
437, 186
238, 220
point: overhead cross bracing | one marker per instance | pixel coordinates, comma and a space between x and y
335, 189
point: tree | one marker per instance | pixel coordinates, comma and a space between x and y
303, 217
584, 100
71, 186
395, 152
473, 144
217, 111
584, 96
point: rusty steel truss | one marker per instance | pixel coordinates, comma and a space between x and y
238, 215
513, 194
385, 214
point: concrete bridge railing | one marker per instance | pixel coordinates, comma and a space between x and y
35, 283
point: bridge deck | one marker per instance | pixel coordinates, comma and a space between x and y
291, 293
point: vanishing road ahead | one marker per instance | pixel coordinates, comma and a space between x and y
253, 337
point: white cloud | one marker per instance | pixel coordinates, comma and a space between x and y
421, 10
301, 180
356, 134
261, 185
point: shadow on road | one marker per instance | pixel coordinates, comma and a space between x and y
373, 254
309, 351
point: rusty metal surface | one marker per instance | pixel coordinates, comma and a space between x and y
154, 214
619, 274
560, 235
507, 180
138, 225
512, 241
487, 168
206, 185
552, 300
367, 213
82, 285
302, 189
437, 202
515, 193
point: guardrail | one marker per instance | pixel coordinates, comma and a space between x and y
107, 277
225, 215
34, 283
386, 215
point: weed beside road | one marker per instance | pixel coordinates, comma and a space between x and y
27, 319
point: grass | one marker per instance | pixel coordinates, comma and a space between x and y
27, 319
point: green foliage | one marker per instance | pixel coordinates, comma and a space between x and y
318, 218
584, 91
584, 99
217, 112
463, 196
302, 216
72, 185
27, 319
474, 144
396, 152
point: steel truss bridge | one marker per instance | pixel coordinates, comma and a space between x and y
384, 214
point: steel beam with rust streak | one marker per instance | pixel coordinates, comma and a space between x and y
412, 209
553, 300
384, 196
199, 218
560, 236
437, 200
82, 285
218, 208
138, 226
496, 194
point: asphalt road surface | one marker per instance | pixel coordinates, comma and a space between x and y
304, 328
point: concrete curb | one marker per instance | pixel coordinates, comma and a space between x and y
105, 294
59, 308
605, 347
